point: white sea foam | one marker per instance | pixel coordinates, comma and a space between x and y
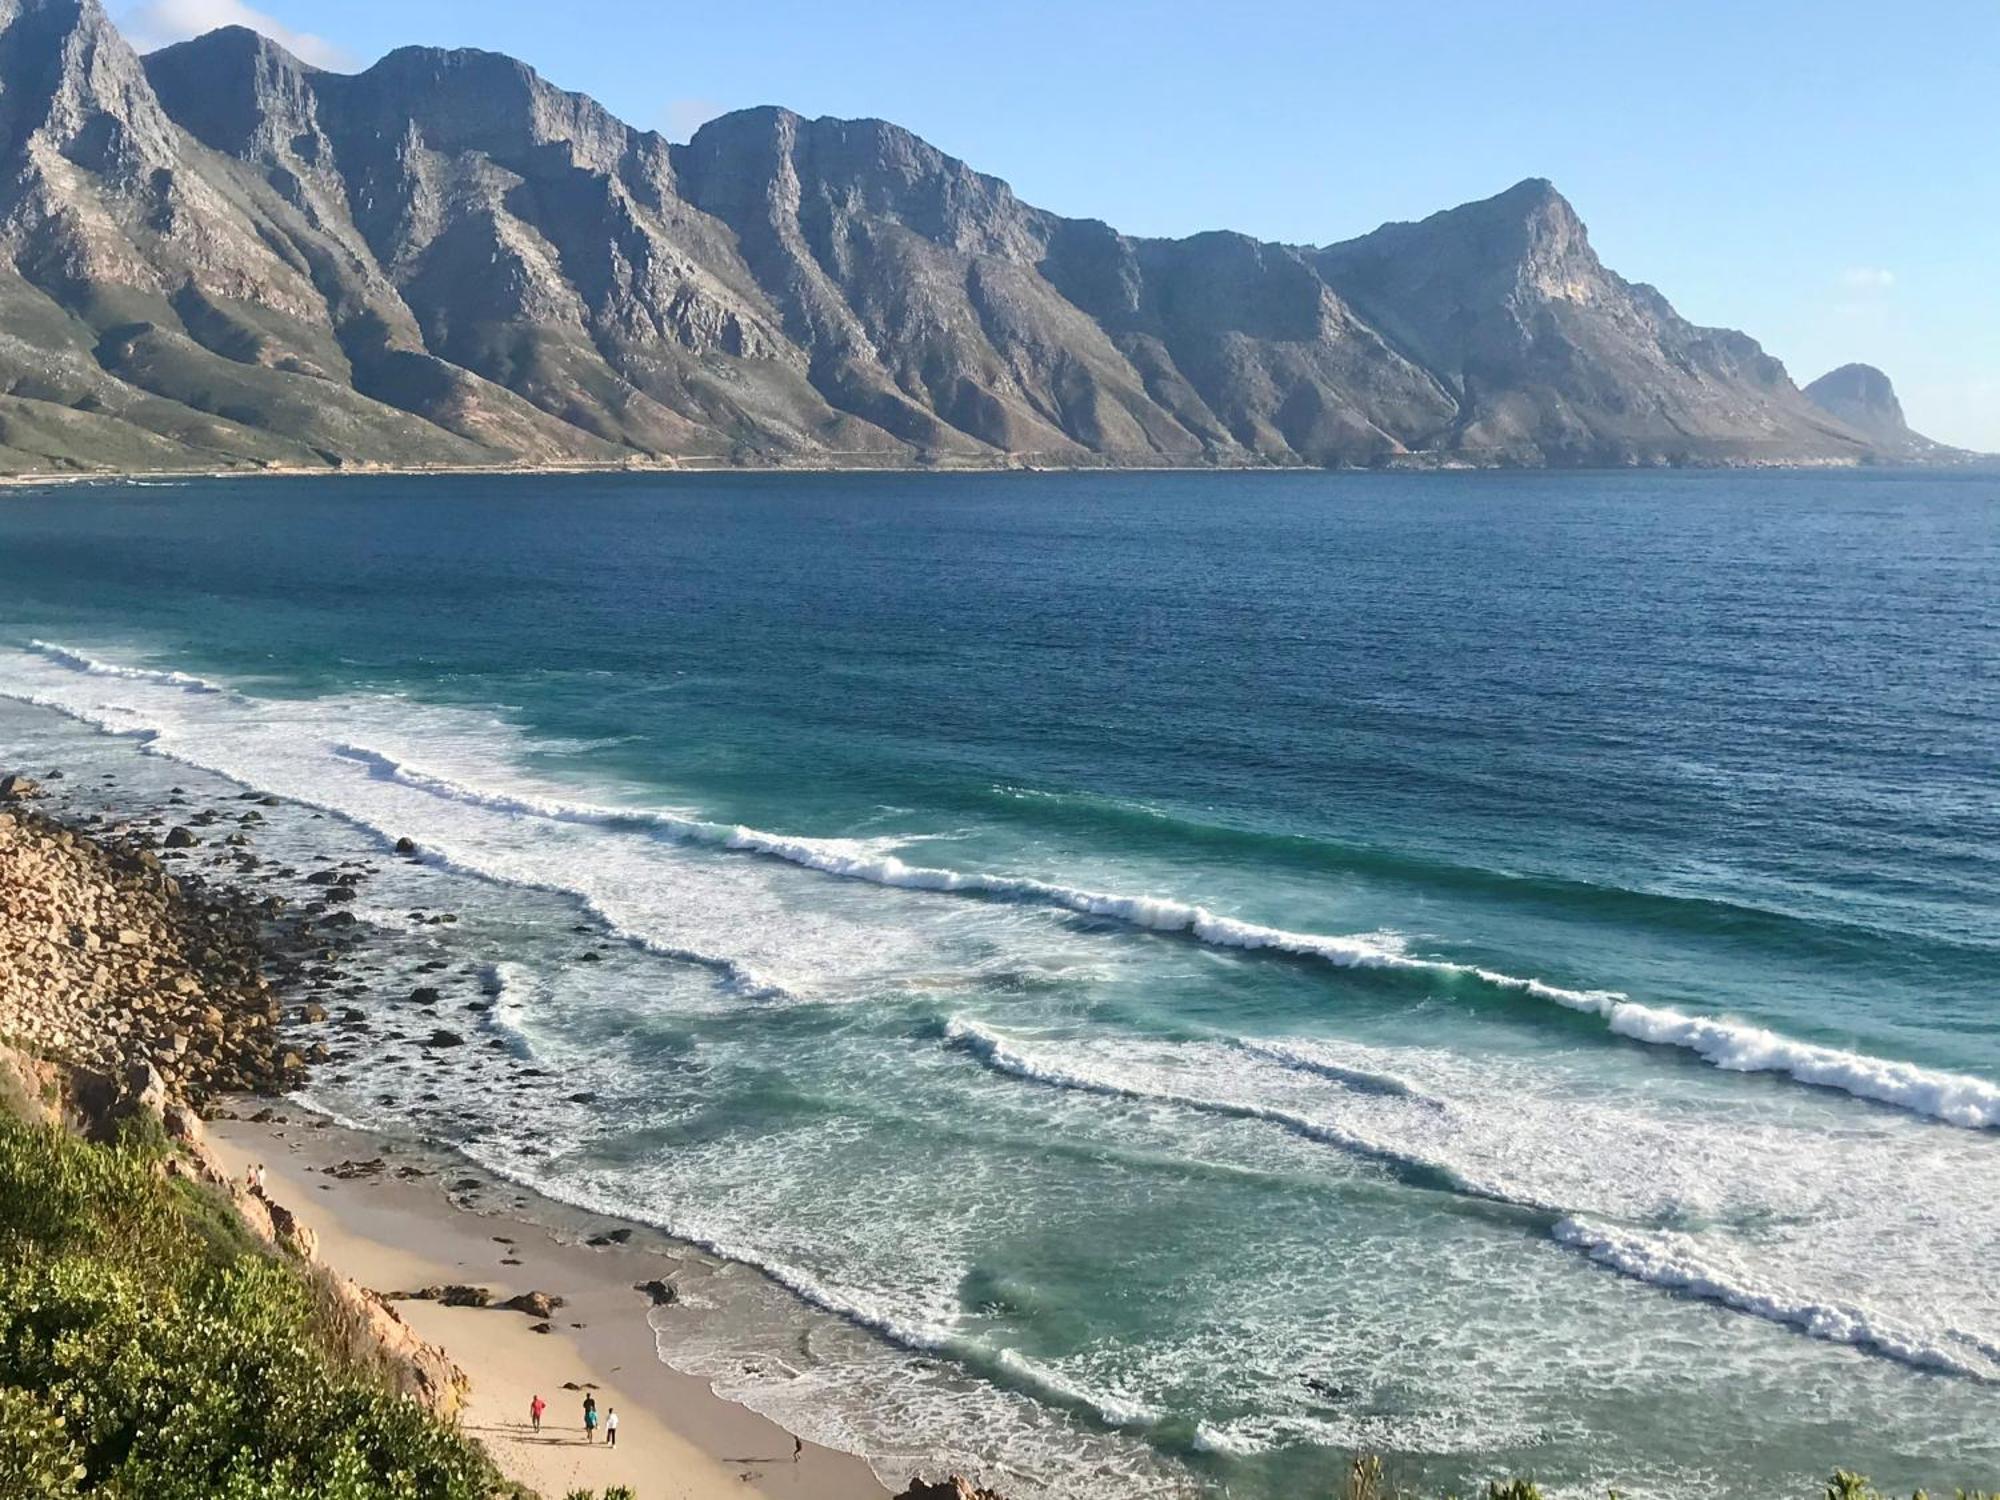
1574, 1159
90, 665
852, 1305
1006, 1055
1308, 1058
1212, 1439
1117, 1411
1735, 1046
1679, 1262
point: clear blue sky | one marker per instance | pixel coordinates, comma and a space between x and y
1823, 174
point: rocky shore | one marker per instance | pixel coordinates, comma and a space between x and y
127, 991
109, 962
138, 979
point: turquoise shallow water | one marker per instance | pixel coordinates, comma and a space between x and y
1206, 970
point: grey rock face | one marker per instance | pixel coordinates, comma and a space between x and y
218, 256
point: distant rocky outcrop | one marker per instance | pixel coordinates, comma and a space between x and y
221, 257
1861, 397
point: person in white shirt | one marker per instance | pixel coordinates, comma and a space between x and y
611, 1427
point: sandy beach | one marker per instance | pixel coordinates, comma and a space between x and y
677, 1439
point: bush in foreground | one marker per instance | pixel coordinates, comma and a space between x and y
148, 1347
1367, 1480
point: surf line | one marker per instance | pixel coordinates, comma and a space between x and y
1956, 1099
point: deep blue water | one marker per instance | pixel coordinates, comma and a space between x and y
1498, 969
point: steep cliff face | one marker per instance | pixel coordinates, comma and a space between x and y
1555, 359
220, 256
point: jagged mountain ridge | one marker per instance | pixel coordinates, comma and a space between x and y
219, 256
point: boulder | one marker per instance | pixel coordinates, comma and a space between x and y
535, 1304
181, 837
290, 1234
17, 788
145, 1091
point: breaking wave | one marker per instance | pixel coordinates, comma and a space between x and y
1734, 1046
1675, 1261
1004, 1055
91, 666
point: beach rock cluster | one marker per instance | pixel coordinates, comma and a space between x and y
107, 962
953, 1488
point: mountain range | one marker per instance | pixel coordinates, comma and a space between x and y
219, 257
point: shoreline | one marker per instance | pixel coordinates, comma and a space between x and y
393, 1233
367, 953
1412, 464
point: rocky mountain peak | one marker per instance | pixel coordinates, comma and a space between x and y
233, 86
466, 100
848, 169
69, 83
1863, 398
1861, 388
1533, 228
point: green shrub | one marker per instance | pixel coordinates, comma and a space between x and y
1846, 1486
37, 1459
148, 1347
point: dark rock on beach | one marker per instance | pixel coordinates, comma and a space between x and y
953, 1488
534, 1304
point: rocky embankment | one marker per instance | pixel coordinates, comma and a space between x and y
109, 962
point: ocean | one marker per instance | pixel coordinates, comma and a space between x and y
1155, 980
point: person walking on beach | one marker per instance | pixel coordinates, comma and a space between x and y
590, 1419
535, 1409
611, 1427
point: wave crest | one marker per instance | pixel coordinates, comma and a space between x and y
1675, 1261
1956, 1099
